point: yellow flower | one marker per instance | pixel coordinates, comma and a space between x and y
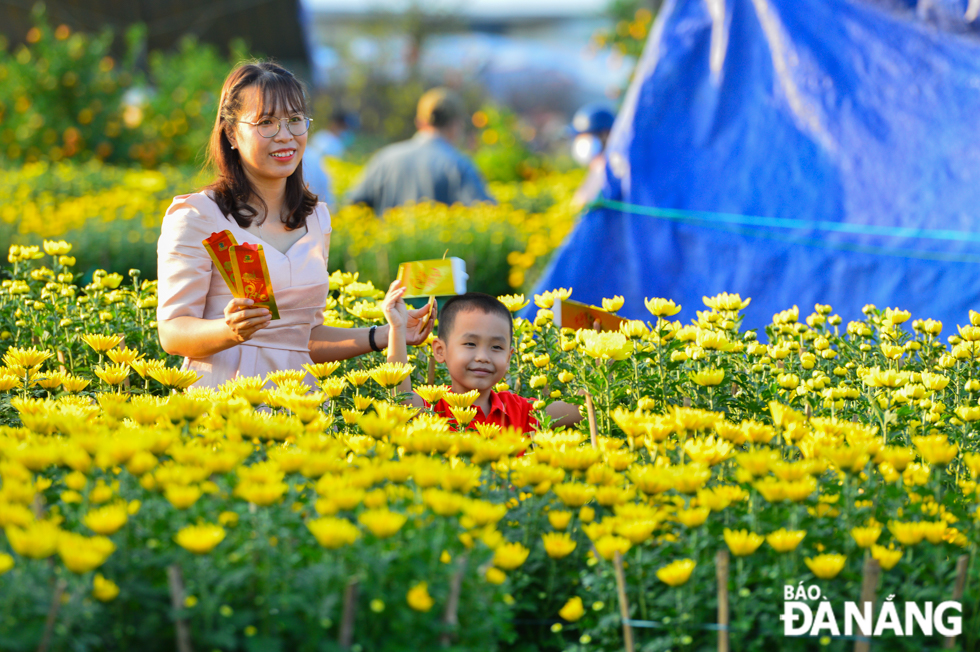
182, 496
463, 400
228, 519
418, 597
261, 493
6, 562
887, 557
101, 343
124, 355
708, 377
726, 302
662, 307
112, 374
546, 300
106, 520
574, 494
358, 377
607, 344
514, 302
509, 556
391, 374
783, 540
559, 519
827, 566
573, 610
142, 366
742, 542
37, 540
82, 554
25, 358
677, 572
104, 590
175, 378
865, 536
333, 533
333, 387
322, 370
200, 539
56, 247
610, 544
907, 534
693, 517
614, 304
935, 449
463, 415
558, 544
431, 394
495, 576
381, 522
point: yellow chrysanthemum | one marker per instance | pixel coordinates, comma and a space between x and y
20, 358
391, 374
418, 597
112, 374
175, 378
677, 572
101, 343
200, 539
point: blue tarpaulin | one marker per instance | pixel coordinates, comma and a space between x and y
796, 152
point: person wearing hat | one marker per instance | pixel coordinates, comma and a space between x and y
425, 167
591, 126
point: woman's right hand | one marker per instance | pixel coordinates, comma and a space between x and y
243, 320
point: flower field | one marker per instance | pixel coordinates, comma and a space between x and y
113, 217
142, 513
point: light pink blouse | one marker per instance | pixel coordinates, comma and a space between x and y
190, 285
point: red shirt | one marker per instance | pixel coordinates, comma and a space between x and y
506, 410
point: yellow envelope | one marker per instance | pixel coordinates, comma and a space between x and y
438, 278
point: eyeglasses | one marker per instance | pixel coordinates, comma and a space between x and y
269, 127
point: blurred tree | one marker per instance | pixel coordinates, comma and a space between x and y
628, 35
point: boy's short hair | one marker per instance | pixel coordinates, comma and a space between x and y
472, 301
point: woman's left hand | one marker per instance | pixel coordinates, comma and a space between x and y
420, 323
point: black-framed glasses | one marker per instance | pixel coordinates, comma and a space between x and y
269, 127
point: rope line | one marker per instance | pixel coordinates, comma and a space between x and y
746, 228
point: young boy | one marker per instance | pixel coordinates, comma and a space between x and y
475, 343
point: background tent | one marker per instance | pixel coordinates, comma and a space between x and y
796, 152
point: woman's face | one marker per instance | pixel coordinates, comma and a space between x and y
267, 159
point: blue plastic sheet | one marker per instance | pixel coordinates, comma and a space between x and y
809, 151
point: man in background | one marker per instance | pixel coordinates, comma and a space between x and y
425, 167
590, 128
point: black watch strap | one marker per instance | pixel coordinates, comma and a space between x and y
374, 345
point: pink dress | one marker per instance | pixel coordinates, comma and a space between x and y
190, 285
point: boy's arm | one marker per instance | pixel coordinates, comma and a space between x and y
396, 312
564, 414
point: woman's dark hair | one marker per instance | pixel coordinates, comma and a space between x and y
277, 87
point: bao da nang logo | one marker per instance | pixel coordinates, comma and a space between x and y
806, 614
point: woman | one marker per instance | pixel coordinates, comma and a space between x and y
259, 195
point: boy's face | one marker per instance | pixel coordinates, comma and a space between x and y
477, 353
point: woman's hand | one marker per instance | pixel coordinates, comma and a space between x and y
243, 320
420, 323
393, 306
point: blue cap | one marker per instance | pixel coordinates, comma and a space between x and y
593, 118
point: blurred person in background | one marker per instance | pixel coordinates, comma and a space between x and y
330, 142
425, 167
591, 126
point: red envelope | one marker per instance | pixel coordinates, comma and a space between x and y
250, 269
219, 248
